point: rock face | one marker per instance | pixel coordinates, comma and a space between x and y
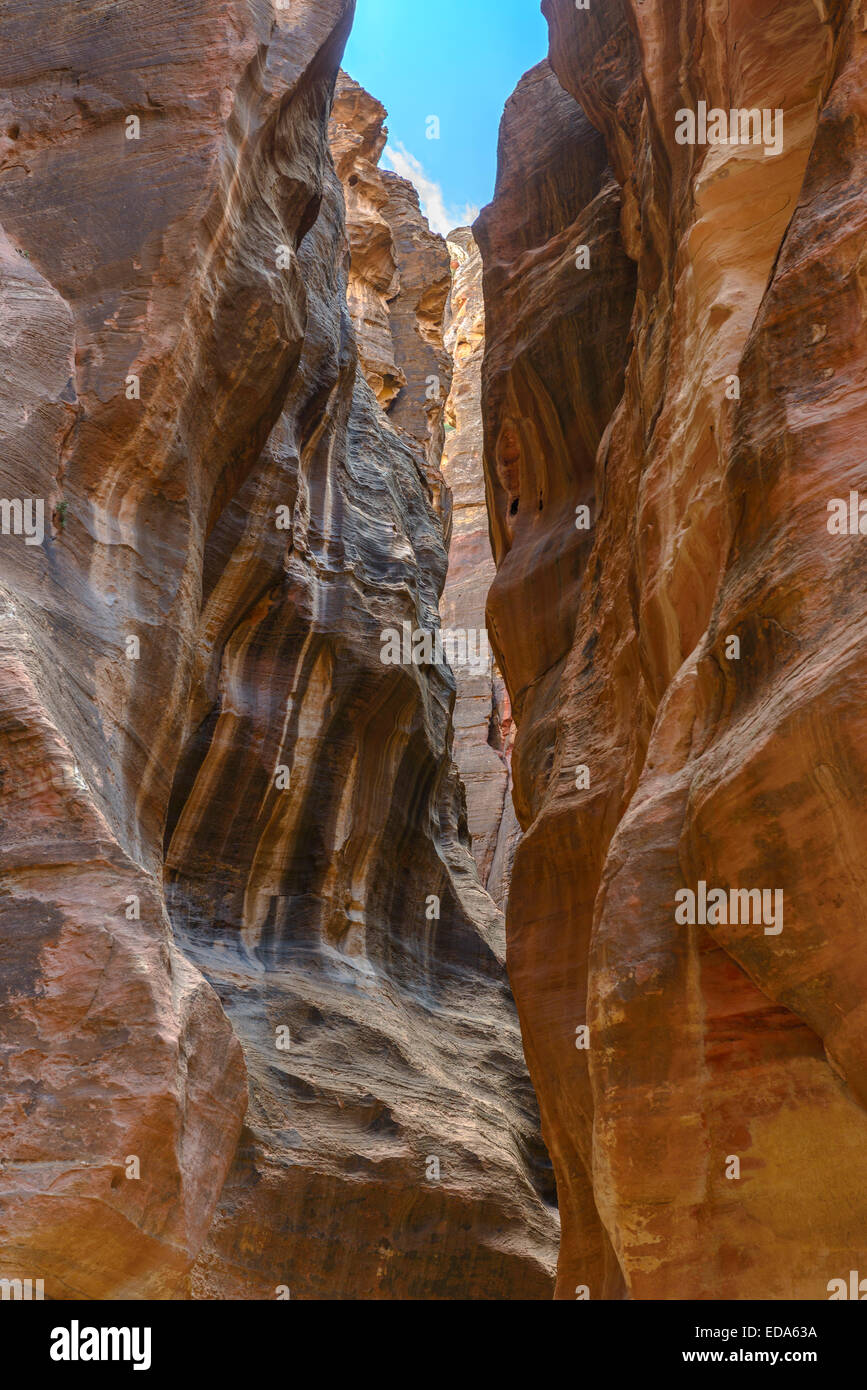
698, 384
482, 717
256, 1032
357, 136
399, 276
418, 314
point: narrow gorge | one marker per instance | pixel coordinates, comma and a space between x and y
333, 966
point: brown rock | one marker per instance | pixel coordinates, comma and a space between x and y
417, 318
407, 306
309, 910
357, 136
150, 258
555, 339
707, 1042
230, 524
482, 718
399, 278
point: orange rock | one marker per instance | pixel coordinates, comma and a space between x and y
717, 1042
483, 739
240, 1051
398, 275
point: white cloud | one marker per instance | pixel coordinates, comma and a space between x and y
442, 219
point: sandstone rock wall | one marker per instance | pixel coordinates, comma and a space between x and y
357, 137
484, 730
399, 277
417, 309
652, 752
223, 821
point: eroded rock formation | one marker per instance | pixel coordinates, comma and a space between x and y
417, 309
357, 136
654, 753
255, 1023
399, 277
482, 718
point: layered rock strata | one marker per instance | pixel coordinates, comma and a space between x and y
399, 277
684, 670
482, 718
256, 1033
357, 137
416, 306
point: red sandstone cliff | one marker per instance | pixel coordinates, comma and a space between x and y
482, 718
399, 277
255, 1031
416, 306
653, 752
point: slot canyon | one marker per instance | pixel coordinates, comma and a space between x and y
326, 975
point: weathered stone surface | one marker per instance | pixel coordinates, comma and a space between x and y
552, 373
420, 308
417, 319
357, 136
309, 910
482, 718
399, 276
248, 515
718, 1041
151, 257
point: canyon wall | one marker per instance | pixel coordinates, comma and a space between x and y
484, 731
399, 277
673, 392
256, 1031
416, 306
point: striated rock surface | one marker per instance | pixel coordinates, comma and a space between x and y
653, 751
399, 276
255, 1031
484, 731
357, 137
552, 374
364, 1170
416, 306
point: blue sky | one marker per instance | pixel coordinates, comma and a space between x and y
455, 59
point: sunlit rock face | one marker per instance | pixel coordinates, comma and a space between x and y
390, 1146
255, 1031
357, 136
700, 387
399, 276
482, 718
555, 343
416, 306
